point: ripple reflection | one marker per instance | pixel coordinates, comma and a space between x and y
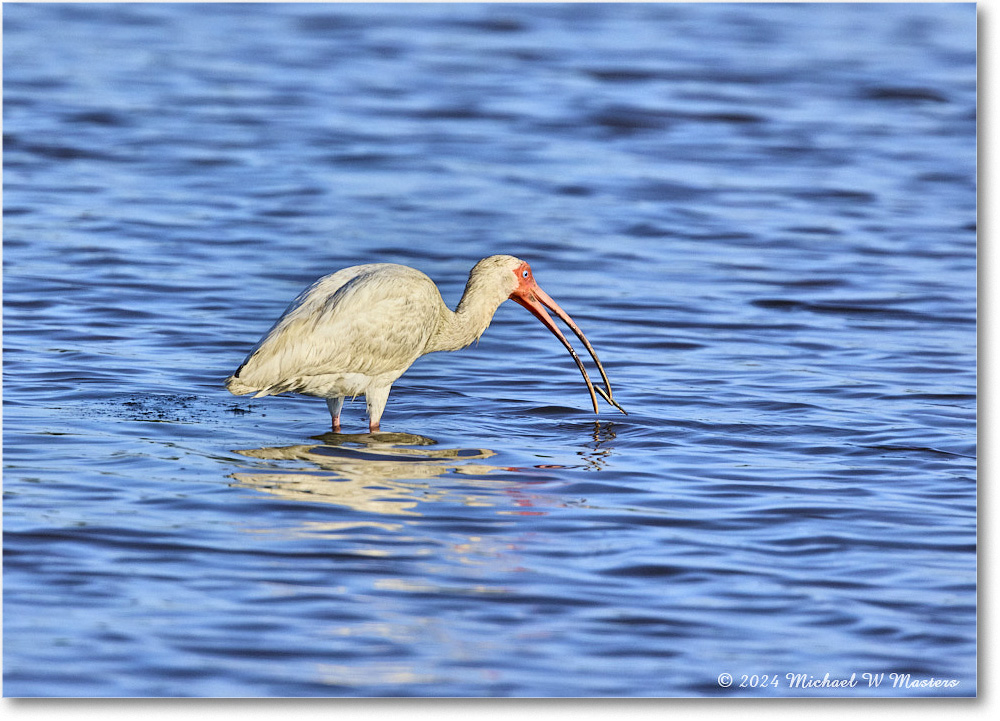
373, 473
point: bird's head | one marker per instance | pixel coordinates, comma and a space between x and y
509, 276
513, 277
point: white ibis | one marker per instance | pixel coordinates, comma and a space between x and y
354, 332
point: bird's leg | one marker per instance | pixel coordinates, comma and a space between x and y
335, 405
376, 398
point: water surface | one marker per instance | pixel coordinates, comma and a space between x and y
762, 216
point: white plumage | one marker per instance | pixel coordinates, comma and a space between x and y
354, 332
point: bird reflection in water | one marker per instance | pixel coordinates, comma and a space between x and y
380, 473
597, 453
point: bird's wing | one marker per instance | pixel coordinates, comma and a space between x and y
369, 320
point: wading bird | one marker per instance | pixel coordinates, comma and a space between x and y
354, 332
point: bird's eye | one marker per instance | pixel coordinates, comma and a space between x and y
524, 274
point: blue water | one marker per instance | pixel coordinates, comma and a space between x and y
763, 217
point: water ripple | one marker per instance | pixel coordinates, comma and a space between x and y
771, 246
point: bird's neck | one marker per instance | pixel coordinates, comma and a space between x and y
461, 327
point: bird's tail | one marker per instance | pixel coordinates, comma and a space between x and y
238, 388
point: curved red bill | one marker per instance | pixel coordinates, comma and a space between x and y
536, 300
